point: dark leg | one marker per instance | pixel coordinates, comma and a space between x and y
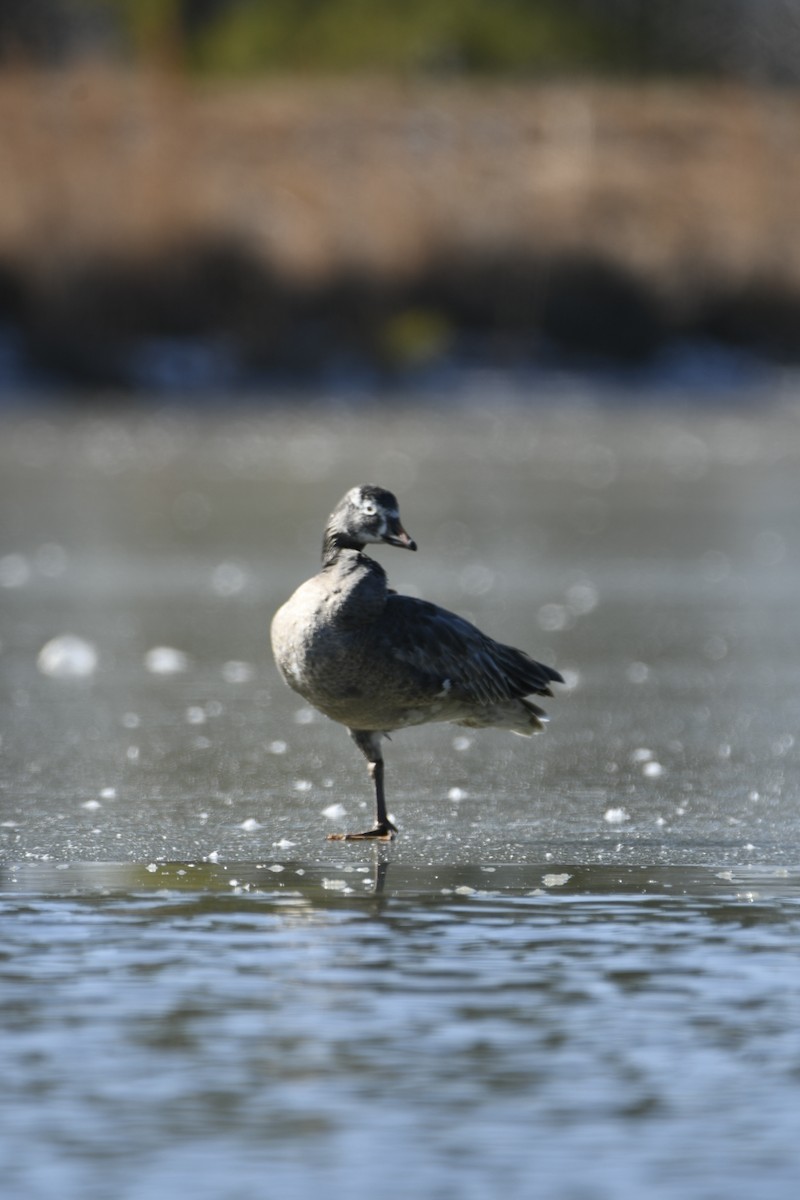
369, 743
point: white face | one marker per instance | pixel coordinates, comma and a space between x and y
363, 503
374, 518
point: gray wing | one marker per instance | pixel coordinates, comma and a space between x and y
439, 646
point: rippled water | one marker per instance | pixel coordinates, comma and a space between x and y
433, 1040
575, 973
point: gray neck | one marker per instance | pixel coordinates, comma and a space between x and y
334, 542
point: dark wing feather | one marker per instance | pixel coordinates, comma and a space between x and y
439, 645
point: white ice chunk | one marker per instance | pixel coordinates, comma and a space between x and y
165, 660
556, 880
615, 816
67, 657
334, 811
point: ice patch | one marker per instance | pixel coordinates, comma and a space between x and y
556, 880
165, 660
238, 672
335, 885
67, 657
615, 816
334, 811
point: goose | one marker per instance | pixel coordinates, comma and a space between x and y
376, 661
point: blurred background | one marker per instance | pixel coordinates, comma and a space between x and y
222, 195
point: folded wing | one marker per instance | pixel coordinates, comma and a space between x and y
450, 654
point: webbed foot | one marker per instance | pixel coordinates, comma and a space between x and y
384, 831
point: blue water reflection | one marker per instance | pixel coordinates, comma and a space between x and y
614, 1040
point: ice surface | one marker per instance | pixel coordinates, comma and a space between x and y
68, 657
165, 660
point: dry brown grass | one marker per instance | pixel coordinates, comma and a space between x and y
302, 220
697, 183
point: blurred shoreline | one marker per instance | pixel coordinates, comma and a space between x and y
295, 225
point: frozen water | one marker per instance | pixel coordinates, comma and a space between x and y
238, 672
68, 657
165, 660
572, 916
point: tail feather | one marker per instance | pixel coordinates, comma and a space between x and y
538, 717
525, 674
520, 716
